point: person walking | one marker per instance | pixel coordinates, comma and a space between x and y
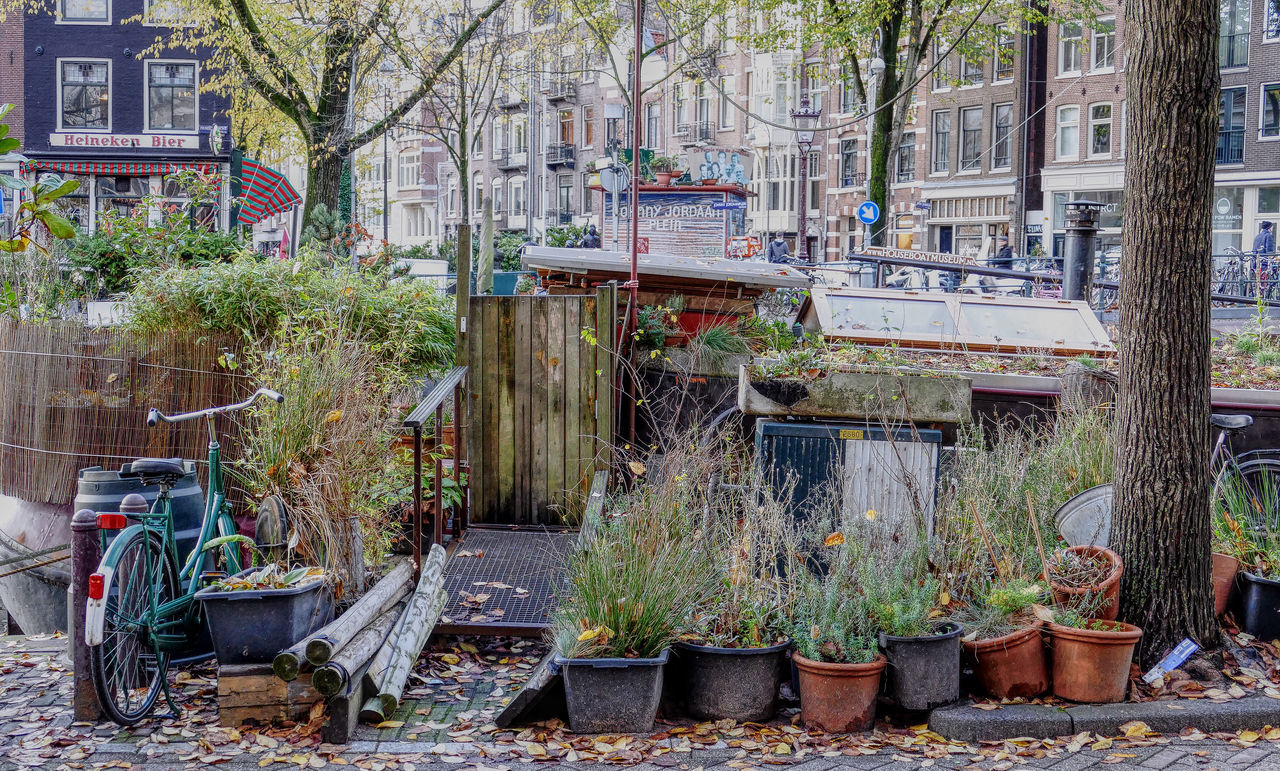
1265, 241
778, 249
1004, 254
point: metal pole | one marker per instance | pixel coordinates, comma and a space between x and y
802, 216
437, 508
84, 560
417, 501
386, 170
633, 285
1082, 234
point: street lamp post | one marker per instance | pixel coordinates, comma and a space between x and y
804, 119
876, 68
387, 71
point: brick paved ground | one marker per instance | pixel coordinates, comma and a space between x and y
444, 726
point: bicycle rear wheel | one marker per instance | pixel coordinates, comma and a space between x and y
128, 670
1250, 492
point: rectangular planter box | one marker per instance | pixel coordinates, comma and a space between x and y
889, 395
251, 627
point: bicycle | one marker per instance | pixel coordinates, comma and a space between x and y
141, 607
1255, 473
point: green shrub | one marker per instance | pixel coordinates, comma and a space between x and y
406, 322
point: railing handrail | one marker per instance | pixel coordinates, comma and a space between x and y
435, 398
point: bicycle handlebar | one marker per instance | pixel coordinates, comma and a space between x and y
155, 416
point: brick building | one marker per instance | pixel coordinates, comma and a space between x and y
98, 111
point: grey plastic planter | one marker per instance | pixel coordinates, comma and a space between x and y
924, 672
616, 696
251, 627
740, 684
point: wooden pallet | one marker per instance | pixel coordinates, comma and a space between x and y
253, 692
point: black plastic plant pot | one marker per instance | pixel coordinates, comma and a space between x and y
613, 696
739, 684
1260, 598
924, 672
252, 626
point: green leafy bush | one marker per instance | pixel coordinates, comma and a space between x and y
405, 322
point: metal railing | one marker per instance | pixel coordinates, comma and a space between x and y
1230, 146
705, 130
432, 408
560, 217
1246, 274
510, 159
511, 100
562, 88
561, 153
683, 129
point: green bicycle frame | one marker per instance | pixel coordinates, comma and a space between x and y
163, 618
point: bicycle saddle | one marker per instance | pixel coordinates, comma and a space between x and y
159, 467
1231, 422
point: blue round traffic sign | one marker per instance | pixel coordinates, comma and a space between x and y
869, 212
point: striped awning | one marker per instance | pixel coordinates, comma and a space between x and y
263, 192
120, 168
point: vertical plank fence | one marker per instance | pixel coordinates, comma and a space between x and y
540, 404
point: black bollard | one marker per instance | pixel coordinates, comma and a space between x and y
1078, 249
84, 560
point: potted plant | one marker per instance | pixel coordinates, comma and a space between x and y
256, 613
664, 168
1003, 641
731, 664
836, 658
1085, 571
923, 650
1091, 656
628, 597
1243, 536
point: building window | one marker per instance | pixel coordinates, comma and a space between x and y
477, 141
518, 208
86, 95
1068, 132
653, 125
1069, 37
1231, 126
971, 139
848, 162
1271, 28
162, 12
171, 96
520, 135
1100, 130
781, 92
85, 11
564, 199
477, 192
816, 89
588, 126
586, 193
451, 188
566, 128
1270, 127
972, 70
679, 110
1002, 136
1103, 48
1269, 200
1005, 53
1233, 36
409, 168
499, 137
941, 75
941, 141
907, 158
497, 186
726, 107
612, 130
849, 92
415, 222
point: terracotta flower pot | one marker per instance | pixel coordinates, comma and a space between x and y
838, 698
664, 177
710, 181
1225, 568
1110, 587
1011, 666
1091, 665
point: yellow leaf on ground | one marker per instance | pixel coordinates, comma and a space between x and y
1249, 736
390, 724
451, 659
1134, 728
1101, 744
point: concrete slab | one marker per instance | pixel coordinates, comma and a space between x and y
963, 722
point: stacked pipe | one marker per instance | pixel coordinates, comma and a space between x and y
385, 630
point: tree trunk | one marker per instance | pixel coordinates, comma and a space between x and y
324, 176
1161, 526
390, 590
333, 675
883, 140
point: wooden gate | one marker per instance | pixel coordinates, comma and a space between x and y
539, 404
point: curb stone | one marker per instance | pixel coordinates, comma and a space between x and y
964, 723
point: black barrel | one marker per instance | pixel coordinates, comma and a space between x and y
101, 490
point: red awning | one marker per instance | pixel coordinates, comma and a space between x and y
263, 192
120, 168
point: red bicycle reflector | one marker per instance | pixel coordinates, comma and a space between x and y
108, 521
96, 584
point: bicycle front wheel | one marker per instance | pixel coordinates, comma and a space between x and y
128, 669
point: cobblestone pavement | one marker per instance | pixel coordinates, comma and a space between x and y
444, 725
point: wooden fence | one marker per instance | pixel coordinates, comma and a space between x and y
73, 396
540, 402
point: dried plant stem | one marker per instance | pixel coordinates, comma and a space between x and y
1035, 525
986, 538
